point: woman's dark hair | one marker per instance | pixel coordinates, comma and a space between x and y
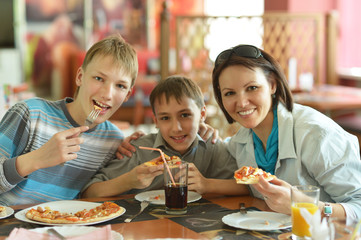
270, 67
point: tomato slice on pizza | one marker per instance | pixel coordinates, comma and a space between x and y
159, 161
250, 175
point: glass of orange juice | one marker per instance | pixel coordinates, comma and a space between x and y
303, 196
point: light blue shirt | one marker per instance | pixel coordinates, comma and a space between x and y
29, 125
313, 150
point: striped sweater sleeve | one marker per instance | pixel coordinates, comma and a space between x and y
14, 134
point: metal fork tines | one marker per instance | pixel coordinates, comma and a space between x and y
143, 206
92, 116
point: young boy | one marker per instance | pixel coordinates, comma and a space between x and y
178, 108
37, 136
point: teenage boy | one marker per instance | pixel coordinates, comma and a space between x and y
38, 136
178, 107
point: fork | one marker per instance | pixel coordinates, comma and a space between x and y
92, 116
143, 205
89, 121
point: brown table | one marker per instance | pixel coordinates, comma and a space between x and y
152, 225
328, 98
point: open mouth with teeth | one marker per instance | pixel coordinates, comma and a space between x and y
244, 113
100, 105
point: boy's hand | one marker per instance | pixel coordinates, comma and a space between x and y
196, 181
60, 148
142, 176
127, 149
206, 131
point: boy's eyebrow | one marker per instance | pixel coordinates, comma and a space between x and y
180, 111
105, 75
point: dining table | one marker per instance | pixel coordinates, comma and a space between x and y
328, 98
203, 219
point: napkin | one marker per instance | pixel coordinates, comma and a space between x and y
103, 233
319, 229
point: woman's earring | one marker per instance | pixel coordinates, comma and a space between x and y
273, 95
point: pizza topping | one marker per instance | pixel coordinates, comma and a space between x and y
97, 108
169, 160
2, 210
103, 211
250, 175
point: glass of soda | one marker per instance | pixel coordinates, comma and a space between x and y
176, 187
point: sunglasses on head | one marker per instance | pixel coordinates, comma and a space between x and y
247, 51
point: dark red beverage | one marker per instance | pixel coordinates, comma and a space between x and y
176, 198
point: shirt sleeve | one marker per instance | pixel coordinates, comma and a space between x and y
14, 134
113, 169
223, 163
336, 166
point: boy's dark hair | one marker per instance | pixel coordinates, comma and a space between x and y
177, 87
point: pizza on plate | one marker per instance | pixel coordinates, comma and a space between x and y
107, 210
2, 210
159, 161
250, 175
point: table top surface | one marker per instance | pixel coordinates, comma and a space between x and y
202, 221
330, 97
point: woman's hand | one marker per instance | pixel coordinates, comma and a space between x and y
127, 149
196, 181
277, 194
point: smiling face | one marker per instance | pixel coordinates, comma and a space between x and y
246, 96
104, 84
178, 122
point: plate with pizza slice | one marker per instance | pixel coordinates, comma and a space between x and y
5, 212
258, 221
70, 212
157, 197
251, 175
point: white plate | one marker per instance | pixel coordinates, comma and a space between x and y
73, 231
258, 221
8, 212
157, 197
68, 206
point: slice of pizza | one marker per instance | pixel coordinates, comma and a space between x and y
159, 161
250, 175
107, 210
2, 211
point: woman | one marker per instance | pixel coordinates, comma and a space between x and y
296, 143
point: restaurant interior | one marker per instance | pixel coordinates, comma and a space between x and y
317, 43
42, 43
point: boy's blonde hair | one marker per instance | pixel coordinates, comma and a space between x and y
177, 87
123, 54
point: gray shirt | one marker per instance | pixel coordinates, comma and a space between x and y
212, 160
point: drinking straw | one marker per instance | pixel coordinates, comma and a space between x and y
165, 162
